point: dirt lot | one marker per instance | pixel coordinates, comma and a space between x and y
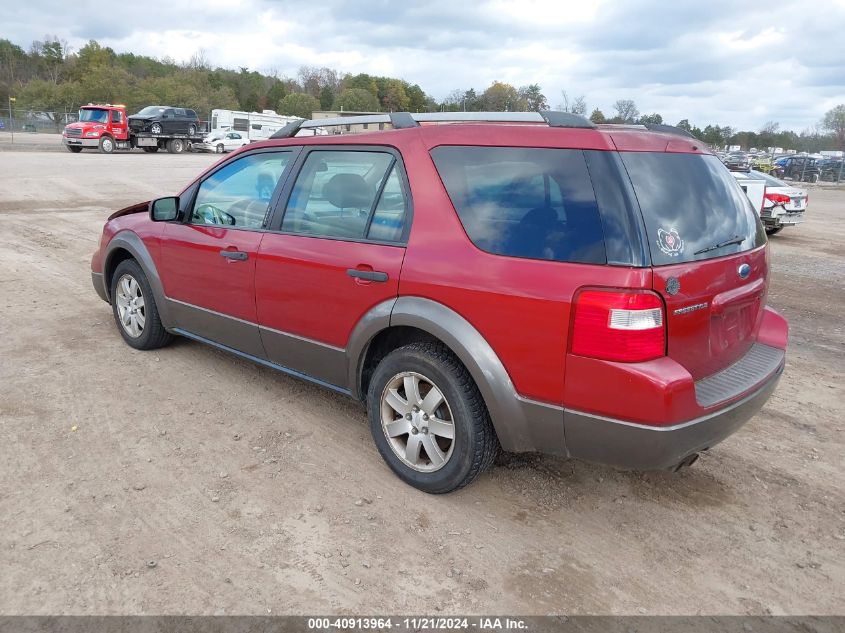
188, 481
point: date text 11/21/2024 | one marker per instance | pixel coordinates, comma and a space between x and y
420, 623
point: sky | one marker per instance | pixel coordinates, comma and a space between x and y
715, 61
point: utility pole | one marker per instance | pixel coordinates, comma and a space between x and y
11, 119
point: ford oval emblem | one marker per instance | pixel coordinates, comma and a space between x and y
744, 270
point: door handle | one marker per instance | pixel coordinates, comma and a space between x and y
239, 256
367, 275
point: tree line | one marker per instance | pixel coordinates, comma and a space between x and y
52, 79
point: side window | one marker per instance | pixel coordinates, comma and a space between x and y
335, 193
388, 223
524, 202
239, 194
168, 113
116, 117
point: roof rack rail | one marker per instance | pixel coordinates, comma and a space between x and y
403, 120
669, 129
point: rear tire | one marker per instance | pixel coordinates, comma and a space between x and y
192, 129
73, 149
176, 146
134, 308
457, 410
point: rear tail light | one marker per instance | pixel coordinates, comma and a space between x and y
619, 326
777, 198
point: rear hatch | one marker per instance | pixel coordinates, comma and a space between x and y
708, 254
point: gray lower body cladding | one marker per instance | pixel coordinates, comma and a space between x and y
640, 447
100, 286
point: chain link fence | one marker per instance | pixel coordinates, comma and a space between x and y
36, 121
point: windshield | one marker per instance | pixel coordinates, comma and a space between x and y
96, 116
770, 180
151, 110
691, 202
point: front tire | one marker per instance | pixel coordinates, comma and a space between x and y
428, 419
134, 308
219, 149
106, 144
156, 128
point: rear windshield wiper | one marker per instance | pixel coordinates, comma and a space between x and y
736, 239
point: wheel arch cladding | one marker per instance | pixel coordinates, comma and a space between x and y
471, 348
127, 245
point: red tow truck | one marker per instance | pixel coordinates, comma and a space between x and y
106, 127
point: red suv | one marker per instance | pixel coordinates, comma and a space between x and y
540, 284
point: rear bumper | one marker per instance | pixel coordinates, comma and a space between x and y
642, 447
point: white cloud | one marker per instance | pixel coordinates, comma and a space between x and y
722, 62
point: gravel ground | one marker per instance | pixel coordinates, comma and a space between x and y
188, 481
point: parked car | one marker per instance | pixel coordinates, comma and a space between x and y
475, 286
165, 120
780, 204
831, 170
738, 161
802, 168
221, 141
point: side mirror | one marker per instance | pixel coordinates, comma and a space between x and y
164, 209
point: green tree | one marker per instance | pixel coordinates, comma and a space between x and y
355, 100
276, 93
92, 56
327, 98
55, 101
834, 121
393, 95
651, 119
598, 117
299, 104
363, 81
417, 100
534, 98
500, 97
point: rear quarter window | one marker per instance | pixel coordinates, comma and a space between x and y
524, 202
690, 203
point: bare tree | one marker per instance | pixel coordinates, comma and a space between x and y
199, 60
578, 105
626, 111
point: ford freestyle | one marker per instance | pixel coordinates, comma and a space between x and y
524, 281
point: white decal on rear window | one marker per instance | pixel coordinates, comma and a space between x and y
670, 242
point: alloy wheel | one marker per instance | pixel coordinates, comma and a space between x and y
130, 306
417, 421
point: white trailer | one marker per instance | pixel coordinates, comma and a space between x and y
257, 126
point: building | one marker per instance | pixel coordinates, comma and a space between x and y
356, 128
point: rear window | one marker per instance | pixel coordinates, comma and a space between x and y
690, 204
524, 202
